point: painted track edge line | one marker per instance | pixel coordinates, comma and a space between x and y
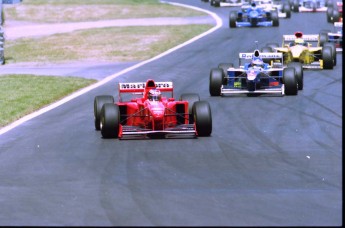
76, 94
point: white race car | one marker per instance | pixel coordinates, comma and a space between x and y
220, 3
309, 6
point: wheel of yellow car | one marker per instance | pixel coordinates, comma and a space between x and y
98, 103
110, 120
216, 81
298, 72
327, 58
290, 81
273, 46
334, 52
266, 49
191, 98
203, 118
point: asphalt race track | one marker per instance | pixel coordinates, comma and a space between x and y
270, 161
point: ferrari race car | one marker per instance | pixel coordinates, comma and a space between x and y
309, 6
254, 76
295, 48
335, 37
335, 12
253, 17
142, 111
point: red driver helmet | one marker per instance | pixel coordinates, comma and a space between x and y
154, 95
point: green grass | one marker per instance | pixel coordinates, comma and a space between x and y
106, 44
23, 94
56, 11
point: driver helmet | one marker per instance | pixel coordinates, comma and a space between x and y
154, 95
253, 5
257, 62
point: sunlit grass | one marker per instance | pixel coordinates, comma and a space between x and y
23, 94
55, 11
106, 44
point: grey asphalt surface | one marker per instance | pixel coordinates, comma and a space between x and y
271, 161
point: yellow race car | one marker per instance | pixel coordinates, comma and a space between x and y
305, 49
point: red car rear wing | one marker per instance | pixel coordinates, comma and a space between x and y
142, 87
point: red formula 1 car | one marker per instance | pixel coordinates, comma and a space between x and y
151, 114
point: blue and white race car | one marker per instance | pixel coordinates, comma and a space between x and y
253, 16
254, 76
335, 37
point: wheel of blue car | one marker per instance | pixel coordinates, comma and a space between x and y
287, 10
232, 19
334, 52
203, 118
225, 67
98, 103
327, 58
296, 6
216, 81
191, 98
298, 72
275, 18
110, 120
290, 81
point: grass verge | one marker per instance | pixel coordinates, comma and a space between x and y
58, 11
106, 44
24, 94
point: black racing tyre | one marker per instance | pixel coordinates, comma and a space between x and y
323, 38
336, 16
266, 49
327, 58
329, 13
290, 81
275, 19
110, 120
225, 67
296, 6
273, 46
298, 72
334, 51
232, 19
191, 98
216, 81
216, 3
203, 118
287, 10
98, 103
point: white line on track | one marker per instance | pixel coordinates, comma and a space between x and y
26, 118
